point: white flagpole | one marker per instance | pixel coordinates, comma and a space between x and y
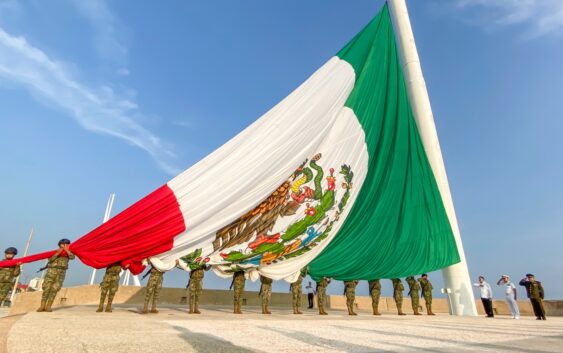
456, 277
21, 267
107, 215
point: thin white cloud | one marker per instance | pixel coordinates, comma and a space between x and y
100, 110
537, 17
109, 33
184, 123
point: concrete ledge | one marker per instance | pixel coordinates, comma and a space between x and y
90, 295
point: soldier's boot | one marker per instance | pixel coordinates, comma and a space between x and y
145, 307
196, 308
153, 309
400, 312
416, 311
42, 306
235, 311
429, 310
376, 312
296, 311
239, 311
49, 304
322, 311
101, 305
265, 310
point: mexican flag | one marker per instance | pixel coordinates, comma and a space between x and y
334, 176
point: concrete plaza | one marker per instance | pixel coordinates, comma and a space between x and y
81, 329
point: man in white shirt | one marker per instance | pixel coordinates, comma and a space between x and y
486, 296
511, 297
310, 294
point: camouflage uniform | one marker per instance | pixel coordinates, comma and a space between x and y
195, 286
321, 295
238, 283
414, 287
109, 286
154, 285
427, 294
350, 292
53, 281
398, 289
7, 277
375, 293
265, 293
296, 294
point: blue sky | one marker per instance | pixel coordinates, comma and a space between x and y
117, 96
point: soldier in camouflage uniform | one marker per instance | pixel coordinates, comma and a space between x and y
56, 271
109, 286
398, 289
154, 284
195, 285
414, 287
426, 292
238, 283
375, 293
296, 291
321, 294
8, 274
350, 292
265, 293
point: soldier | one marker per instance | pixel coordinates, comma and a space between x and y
414, 287
350, 292
56, 271
8, 274
534, 289
398, 289
195, 285
426, 292
296, 290
238, 283
375, 293
109, 286
154, 284
265, 293
321, 294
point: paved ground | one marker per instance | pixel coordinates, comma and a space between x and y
80, 329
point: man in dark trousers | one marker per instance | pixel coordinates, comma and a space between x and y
486, 296
534, 289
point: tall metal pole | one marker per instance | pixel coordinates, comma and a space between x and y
21, 266
456, 277
107, 215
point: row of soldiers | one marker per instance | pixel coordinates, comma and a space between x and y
57, 266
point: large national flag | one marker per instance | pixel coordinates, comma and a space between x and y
335, 175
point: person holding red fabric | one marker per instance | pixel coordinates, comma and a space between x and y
56, 271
